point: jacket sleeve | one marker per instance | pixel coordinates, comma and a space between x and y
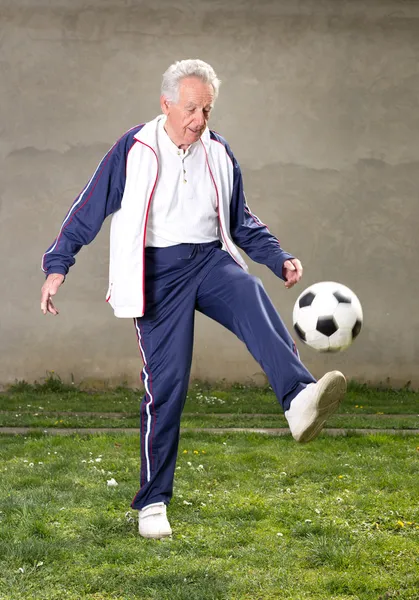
249, 233
101, 197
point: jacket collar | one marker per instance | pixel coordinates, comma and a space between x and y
148, 134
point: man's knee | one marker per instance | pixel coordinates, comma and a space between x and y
249, 286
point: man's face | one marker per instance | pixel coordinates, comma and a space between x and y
187, 119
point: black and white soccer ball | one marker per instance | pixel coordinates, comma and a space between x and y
327, 316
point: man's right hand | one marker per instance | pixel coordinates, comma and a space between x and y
49, 289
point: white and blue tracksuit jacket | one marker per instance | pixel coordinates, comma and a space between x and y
123, 185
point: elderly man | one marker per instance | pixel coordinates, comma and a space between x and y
176, 194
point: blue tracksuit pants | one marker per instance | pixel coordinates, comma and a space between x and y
179, 280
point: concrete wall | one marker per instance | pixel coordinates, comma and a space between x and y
320, 104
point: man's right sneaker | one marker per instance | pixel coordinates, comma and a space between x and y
152, 521
311, 408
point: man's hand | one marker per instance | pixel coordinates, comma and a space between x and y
49, 289
292, 271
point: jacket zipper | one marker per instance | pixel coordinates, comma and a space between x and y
146, 216
218, 207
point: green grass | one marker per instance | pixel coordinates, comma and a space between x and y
51, 403
345, 421
254, 518
53, 395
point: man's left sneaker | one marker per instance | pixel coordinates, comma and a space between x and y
311, 408
152, 521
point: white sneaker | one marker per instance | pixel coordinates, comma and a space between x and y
152, 521
311, 408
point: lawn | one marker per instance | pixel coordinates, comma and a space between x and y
54, 404
254, 517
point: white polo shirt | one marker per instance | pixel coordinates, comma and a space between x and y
184, 205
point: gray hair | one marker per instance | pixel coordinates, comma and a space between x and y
187, 68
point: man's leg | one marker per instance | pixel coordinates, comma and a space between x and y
165, 337
239, 301
167, 356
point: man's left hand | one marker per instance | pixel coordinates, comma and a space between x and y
292, 272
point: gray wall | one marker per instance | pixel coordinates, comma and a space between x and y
320, 104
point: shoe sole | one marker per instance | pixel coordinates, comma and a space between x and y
155, 536
330, 394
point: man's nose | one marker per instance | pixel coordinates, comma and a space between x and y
200, 119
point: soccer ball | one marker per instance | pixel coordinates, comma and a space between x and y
327, 316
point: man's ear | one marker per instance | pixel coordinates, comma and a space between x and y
164, 105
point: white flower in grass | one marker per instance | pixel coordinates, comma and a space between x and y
129, 517
98, 459
83, 461
25, 461
21, 569
317, 510
39, 564
200, 467
31, 464
280, 534
307, 521
112, 482
187, 503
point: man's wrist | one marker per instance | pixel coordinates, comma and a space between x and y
56, 271
280, 264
